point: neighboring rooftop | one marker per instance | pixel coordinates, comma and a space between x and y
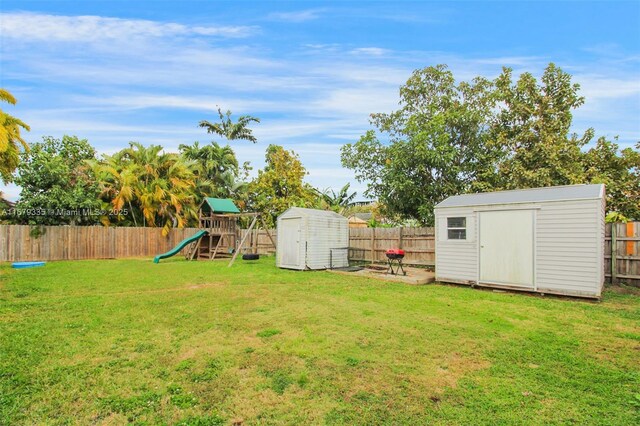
533, 195
364, 216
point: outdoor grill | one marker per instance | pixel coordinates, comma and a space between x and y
394, 259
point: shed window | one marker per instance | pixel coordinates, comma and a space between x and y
457, 228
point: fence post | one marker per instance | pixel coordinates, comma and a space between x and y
400, 237
614, 251
373, 245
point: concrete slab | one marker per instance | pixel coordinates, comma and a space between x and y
415, 276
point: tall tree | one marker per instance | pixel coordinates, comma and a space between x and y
532, 129
620, 172
434, 145
280, 185
218, 169
228, 129
57, 185
11, 142
450, 138
157, 186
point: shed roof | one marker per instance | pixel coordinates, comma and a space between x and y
219, 205
533, 195
301, 211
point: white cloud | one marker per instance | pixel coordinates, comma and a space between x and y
197, 103
369, 51
594, 87
47, 28
522, 61
357, 103
295, 17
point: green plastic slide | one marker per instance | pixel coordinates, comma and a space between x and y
180, 246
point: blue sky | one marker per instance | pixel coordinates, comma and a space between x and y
118, 71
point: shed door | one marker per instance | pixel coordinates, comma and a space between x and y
506, 247
290, 242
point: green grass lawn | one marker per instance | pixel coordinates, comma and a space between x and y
197, 343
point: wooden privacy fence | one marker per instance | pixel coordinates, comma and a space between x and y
258, 241
622, 253
85, 242
370, 244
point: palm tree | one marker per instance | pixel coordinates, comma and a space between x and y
118, 185
157, 186
217, 169
10, 138
213, 159
338, 201
230, 130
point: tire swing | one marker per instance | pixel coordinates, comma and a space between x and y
254, 255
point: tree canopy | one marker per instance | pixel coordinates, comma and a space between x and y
532, 129
619, 170
11, 141
57, 184
156, 186
280, 185
435, 144
451, 138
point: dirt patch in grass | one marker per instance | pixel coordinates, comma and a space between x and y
623, 289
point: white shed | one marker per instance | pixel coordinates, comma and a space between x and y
312, 239
546, 240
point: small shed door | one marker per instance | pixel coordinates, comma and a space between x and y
290, 242
506, 247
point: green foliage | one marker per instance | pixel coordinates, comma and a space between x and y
435, 145
145, 186
230, 130
337, 201
218, 172
449, 139
635, 401
268, 332
280, 381
181, 399
11, 142
620, 172
134, 406
532, 130
280, 185
211, 371
58, 187
613, 217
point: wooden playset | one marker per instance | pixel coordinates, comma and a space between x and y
218, 218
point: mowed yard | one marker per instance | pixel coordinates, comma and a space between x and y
197, 343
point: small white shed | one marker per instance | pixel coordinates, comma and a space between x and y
312, 239
545, 240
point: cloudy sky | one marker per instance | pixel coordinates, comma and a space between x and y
118, 71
